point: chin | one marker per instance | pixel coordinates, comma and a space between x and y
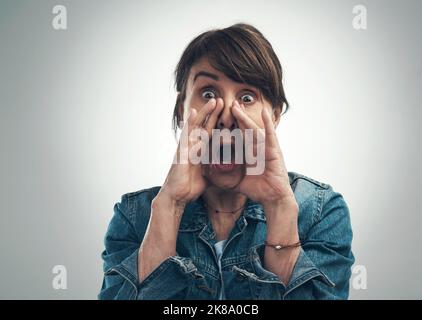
225, 180
226, 184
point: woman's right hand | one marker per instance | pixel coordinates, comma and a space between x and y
185, 181
183, 184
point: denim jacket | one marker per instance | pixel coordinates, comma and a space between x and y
322, 270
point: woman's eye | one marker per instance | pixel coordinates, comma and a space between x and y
208, 94
247, 98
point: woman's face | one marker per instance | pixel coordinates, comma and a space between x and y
205, 83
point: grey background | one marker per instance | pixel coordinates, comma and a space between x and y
85, 117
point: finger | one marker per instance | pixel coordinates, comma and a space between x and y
192, 117
204, 112
188, 125
244, 121
213, 118
242, 117
187, 128
242, 106
270, 134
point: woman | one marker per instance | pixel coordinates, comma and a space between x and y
213, 231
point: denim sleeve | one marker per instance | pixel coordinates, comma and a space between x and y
323, 268
170, 280
327, 249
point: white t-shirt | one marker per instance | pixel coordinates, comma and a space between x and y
218, 250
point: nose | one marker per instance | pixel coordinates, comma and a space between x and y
226, 120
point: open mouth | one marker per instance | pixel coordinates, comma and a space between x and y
223, 158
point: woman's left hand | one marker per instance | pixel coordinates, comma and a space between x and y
272, 187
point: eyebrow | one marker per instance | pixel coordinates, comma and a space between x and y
206, 74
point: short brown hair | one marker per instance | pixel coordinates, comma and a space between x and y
243, 54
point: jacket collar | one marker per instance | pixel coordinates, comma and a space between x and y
195, 216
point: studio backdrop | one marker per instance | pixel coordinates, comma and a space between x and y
86, 98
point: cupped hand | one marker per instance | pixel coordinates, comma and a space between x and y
272, 185
184, 181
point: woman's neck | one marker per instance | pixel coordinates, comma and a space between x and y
225, 202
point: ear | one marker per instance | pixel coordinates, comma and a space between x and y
276, 115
